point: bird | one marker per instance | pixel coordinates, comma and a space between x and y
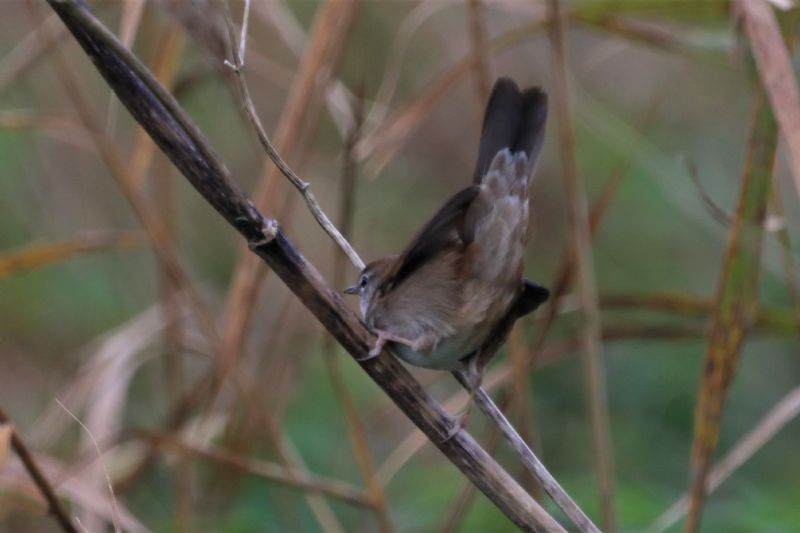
450, 298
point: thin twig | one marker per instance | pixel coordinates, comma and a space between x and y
41, 482
274, 472
717, 212
529, 459
302, 186
323, 50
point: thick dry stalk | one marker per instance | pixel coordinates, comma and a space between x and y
590, 335
41, 482
183, 143
736, 302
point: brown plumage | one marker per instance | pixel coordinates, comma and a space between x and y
460, 278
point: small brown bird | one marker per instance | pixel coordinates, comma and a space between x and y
450, 299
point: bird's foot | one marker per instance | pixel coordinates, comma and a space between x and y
383, 338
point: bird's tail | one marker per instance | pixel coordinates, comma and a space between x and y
514, 120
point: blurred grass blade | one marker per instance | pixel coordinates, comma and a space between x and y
591, 346
39, 255
777, 75
736, 301
6, 430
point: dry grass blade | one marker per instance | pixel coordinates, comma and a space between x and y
566, 269
6, 431
773, 422
477, 33
26, 53
355, 427
114, 509
384, 141
164, 65
74, 489
773, 320
404, 37
735, 303
284, 21
114, 359
40, 255
777, 74
591, 334
122, 175
24, 119
274, 472
661, 38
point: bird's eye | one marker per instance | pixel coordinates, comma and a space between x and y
363, 281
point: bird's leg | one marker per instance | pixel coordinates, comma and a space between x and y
383, 338
474, 377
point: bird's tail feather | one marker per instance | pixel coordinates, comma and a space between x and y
514, 120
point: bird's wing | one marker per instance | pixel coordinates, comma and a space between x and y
443, 231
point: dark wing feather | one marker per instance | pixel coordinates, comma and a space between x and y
444, 230
513, 120
532, 296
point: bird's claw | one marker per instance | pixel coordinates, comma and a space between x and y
375, 351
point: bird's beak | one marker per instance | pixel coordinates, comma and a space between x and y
351, 290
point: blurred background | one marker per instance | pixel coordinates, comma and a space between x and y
378, 106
